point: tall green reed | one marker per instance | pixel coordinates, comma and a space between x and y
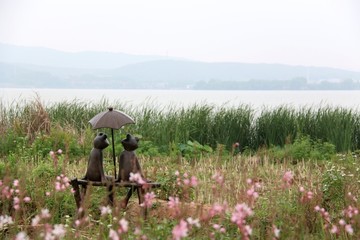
208, 124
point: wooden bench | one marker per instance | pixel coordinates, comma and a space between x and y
141, 189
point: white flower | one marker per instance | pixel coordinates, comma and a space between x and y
35, 221
45, 213
22, 236
59, 230
193, 221
124, 225
105, 210
5, 220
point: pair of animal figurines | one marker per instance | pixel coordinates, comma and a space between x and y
128, 162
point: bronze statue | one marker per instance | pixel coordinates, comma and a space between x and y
128, 162
95, 168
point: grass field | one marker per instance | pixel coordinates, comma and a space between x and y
226, 173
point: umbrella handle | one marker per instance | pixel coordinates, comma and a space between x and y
113, 148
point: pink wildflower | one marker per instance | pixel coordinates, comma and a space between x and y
306, 196
216, 226
16, 201
136, 177
58, 231
16, 183
5, 220
193, 181
349, 229
218, 178
186, 181
180, 230
61, 183
45, 213
113, 235
334, 229
252, 193
123, 226
35, 221
242, 211
288, 178
351, 211
174, 204
6, 192
148, 199
193, 222
137, 231
22, 236
77, 222
217, 209
105, 210
59, 151
27, 199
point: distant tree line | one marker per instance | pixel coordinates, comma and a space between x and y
293, 84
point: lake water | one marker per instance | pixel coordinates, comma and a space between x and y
256, 99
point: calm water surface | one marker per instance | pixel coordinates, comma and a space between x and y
256, 99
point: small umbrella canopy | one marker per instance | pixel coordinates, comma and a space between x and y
110, 119
113, 119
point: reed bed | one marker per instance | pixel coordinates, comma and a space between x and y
204, 123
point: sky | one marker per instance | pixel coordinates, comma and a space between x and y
297, 32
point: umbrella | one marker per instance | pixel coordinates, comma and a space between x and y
113, 119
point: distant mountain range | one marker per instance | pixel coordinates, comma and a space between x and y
47, 68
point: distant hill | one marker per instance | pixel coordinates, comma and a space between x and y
41, 67
53, 58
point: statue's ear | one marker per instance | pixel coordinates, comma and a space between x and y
128, 136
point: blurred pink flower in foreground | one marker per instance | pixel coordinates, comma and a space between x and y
148, 199
219, 178
193, 222
242, 211
287, 179
113, 235
105, 210
61, 183
191, 182
306, 195
136, 177
5, 220
123, 226
174, 205
180, 230
22, 236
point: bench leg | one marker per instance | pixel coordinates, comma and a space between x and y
110, 195
125, 201
141, 194
79, 197
75, 185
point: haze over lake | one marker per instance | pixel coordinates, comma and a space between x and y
137, 98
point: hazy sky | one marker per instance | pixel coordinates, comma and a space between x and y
298, 32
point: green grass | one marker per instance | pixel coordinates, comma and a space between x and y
319, 147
